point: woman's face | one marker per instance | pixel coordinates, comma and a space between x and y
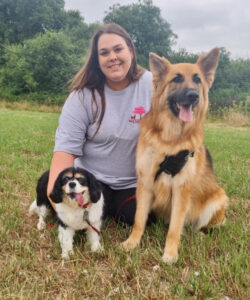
114, 57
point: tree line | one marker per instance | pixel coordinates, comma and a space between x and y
42, 46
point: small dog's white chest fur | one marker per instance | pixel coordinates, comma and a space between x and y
76, 217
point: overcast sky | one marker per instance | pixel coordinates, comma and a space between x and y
199, 24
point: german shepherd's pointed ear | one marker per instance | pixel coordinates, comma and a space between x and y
208, 64
158, 66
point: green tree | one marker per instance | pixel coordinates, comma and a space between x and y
23, 19
78, 31
44, 63
232, 81
182, 55
149, 31
222, 70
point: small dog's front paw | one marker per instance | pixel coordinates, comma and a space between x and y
96, 247
41, 225
130, 244
170, 258
66, 254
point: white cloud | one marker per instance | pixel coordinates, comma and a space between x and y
199, 24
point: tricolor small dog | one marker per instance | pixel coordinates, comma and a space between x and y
79, 205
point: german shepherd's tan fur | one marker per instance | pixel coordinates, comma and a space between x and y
174, 124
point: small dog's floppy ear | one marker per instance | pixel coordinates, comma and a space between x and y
56, 194
95, 188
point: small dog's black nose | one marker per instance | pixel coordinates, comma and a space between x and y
192, 96
72, 184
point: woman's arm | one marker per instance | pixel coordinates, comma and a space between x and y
59, 162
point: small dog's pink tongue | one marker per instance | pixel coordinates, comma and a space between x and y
186, 114
79, 198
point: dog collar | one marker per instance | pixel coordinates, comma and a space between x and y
86, 219
86, 205
173, 164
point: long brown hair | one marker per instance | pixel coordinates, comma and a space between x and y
91, 76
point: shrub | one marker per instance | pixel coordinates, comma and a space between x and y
44, 63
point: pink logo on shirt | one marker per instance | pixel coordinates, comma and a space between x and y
137, 114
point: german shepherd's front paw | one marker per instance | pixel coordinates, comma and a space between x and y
130, 244
169, 257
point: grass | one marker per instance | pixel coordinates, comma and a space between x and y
212, 266
29, 106
238, 118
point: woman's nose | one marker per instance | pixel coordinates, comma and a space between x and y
112, 56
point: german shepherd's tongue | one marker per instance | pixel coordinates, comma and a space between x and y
79, 198
185, 114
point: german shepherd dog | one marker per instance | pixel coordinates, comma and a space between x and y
175, 173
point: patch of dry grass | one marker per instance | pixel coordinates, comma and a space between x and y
237, 119
29, 106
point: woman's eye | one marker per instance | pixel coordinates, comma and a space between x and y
104, 53
118, 50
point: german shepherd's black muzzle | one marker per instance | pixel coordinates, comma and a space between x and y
182, 102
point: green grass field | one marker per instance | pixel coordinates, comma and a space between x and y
211, 266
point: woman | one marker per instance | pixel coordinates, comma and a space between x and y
99, 123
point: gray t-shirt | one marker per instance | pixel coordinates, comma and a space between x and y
110, 155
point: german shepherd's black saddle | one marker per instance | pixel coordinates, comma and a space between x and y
173, 164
